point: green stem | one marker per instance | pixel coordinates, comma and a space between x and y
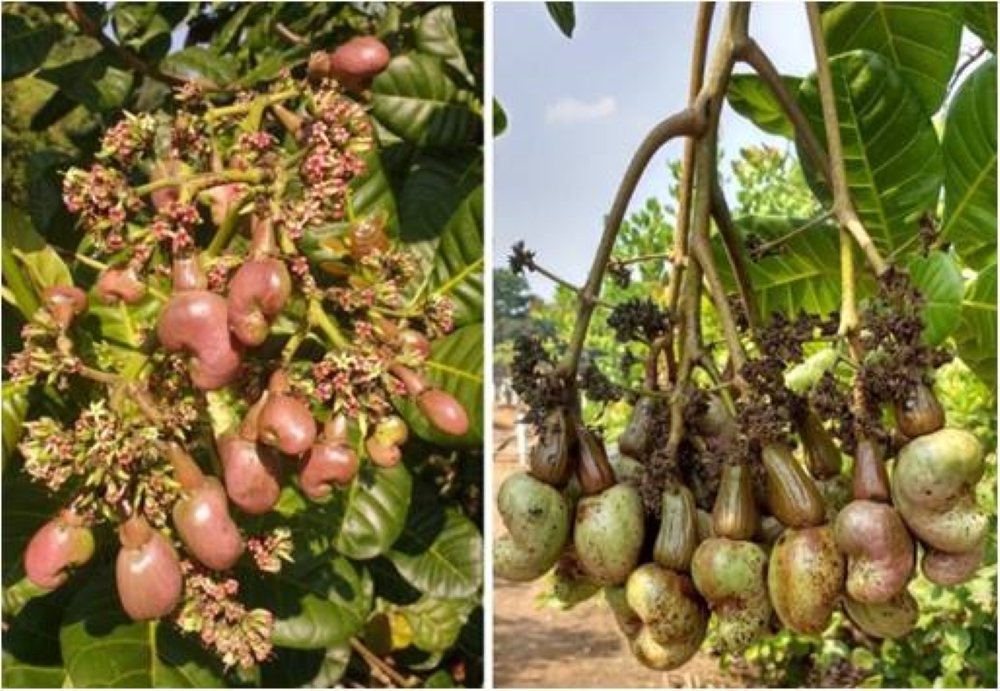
201, 181
319, 318
842, 206
261, 102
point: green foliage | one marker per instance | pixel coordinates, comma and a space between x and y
62, 90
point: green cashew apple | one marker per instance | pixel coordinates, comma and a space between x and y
537, 520
879, 550
805, 578
891, 619
731, 576
674, 617
608, 534
933, 487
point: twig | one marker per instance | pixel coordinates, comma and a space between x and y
751, 53
687, 122
640, 258
378, 664
699, 54
736, 252
136, 63
781, 240
848, 296
290, 35
842, 206
966, 64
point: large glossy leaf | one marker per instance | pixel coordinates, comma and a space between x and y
455, 365
435, 188
564, 15
977, 334
457, 271
891, 151
365, 519
102, 647
25, 47
970, 163
939, 278
440, 551
804, 273
200, 63
750, 97
436, 622
981, 19
318, 602
437, 35
29, 264
91, 82
416, 100
22, 675
919, 39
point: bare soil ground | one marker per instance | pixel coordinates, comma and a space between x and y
534, 646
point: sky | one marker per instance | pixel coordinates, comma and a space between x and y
577, 108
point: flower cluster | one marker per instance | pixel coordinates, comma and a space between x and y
240, 637
103, 200
271, 549
355, 382
128, 139
112, 459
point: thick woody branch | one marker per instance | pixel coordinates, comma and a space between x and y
687, 122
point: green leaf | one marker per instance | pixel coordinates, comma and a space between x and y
437, 36
977, 334
564, 15
310, 669
440, 551
919, 39
318, 602
365, 519
415, 99
15, 408
434, 189
458, 262
939, 278
970, 164
30, 265
103, 647
91, 82
436, 622
200, 63
981, 19
803, 274
456, 366
20, 675
499, 119
25, 47
750, 96
891, 151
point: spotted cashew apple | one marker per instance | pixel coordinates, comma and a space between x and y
537, 518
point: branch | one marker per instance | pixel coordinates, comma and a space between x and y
752, 54
699, 54
736, 252
685, 123
842, 206
380, 666
290, 35
132, 60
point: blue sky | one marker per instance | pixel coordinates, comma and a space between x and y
578, 107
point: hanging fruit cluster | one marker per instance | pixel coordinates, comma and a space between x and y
808, 485
233, 364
